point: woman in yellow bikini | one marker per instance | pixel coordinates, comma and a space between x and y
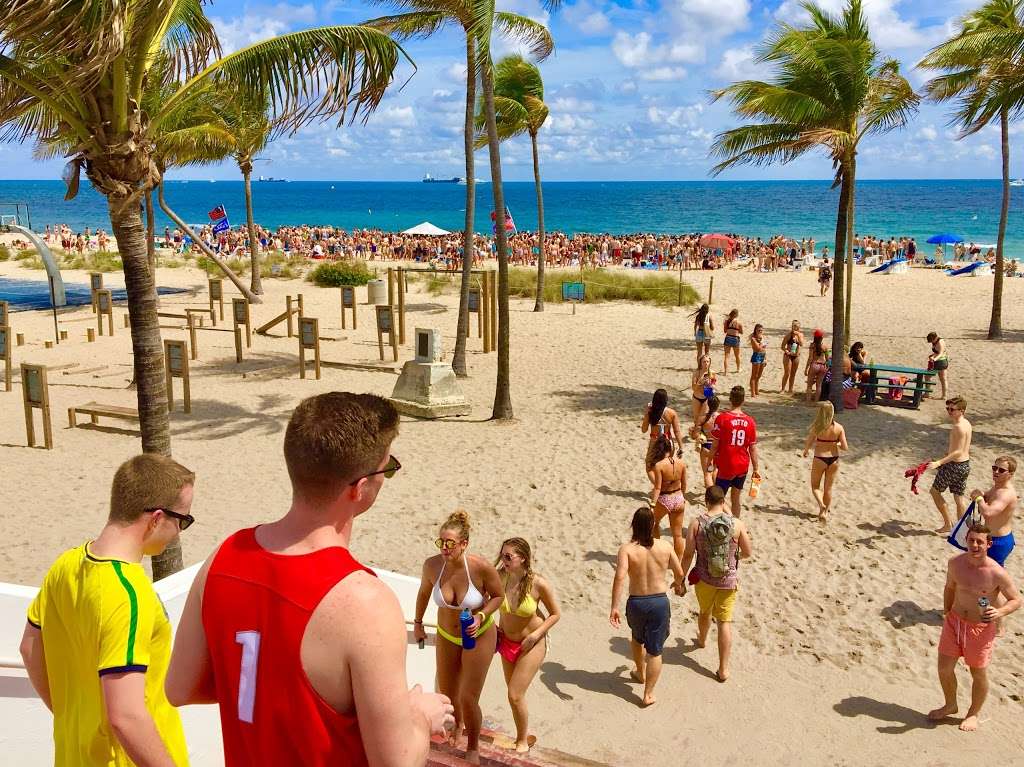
457, 581
523, 629
828, 439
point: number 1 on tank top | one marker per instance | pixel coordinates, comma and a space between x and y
250, 641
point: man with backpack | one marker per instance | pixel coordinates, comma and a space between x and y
719, 541
825, 277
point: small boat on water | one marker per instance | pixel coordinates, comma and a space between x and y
428, 179
272, 180
1017, 182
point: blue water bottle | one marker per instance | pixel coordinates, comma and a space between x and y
466, 620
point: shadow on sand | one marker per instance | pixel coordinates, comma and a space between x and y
904, 719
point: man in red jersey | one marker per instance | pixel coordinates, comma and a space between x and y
300, 645
734, 448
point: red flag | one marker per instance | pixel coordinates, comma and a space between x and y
217, 213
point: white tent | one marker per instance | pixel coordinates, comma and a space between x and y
426, 228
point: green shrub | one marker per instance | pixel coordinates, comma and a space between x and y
280, 265
5, 253
29, 261
334, 274
605, 285
25, 254
171, 263
234, 263
104, 261
71, 261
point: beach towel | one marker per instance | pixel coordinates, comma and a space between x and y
916, 473
958, 536
896, 384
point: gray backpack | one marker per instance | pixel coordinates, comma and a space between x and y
718, 531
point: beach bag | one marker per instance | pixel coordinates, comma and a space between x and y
851, 398
958, 536
718, 532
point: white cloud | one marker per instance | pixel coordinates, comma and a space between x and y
663, 74
240, 32
738, 64
632, 50
456, 73
928, 133
393, 116
713, 19
587, 19
888, 28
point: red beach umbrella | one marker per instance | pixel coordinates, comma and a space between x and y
721, 241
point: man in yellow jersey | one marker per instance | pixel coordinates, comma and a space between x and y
98, 640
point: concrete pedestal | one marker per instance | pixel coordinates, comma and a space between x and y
429, 390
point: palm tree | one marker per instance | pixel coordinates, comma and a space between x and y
519, 101
830, 90
248, 123
77, 71
421, 19
984, 74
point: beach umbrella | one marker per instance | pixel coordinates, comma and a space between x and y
720, 241
426, 229
942, 239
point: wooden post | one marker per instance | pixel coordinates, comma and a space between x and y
63, 335
474, 304
95, 284
240, 313
309, 338
216, 285
302, 306
679, 300
4, 314
493, 275
90, 335
193, 346
386, 324
5, 354
127, 320
391, 287
176, 366
36, 395
238, 344
348, 301
288, 309
401, 306
711, 290
105, 306
20, 338
485, 310
47, 344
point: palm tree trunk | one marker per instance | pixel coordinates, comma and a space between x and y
459, 355
251, 297
255, 284
150, 234
995, 323
538, 305
502, 389
147, 347
838, 287
850, 217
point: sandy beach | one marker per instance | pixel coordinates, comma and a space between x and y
836, 625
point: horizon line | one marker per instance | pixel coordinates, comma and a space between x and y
556, 181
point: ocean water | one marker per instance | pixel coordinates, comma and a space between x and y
969, 208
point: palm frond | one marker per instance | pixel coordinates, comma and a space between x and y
415, 24
525, 30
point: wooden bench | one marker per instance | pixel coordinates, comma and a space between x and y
876, 389
95, 410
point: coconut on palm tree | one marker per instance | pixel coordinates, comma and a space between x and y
421, 19
984, 75
78, 70
520, 108
830, 90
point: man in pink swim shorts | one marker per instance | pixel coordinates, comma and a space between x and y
973, 582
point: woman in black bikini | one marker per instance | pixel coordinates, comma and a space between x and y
733, 339
660, 419
828, 438
702, 386
791, 345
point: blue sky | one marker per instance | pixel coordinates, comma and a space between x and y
627, 88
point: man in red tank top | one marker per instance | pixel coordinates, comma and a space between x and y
293, 637
734, 448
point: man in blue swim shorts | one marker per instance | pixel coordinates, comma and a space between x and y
644, 561
997, 506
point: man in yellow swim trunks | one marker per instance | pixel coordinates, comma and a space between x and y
98, 640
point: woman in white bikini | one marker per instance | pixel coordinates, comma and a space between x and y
523, 629
660, 419
668, 476
828, 439
471, 584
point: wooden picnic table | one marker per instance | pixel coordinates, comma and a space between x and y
919, 382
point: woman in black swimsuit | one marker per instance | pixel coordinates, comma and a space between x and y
791, 345
733, 339
828, 438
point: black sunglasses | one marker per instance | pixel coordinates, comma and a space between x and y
999, 470
185, 521
388, 471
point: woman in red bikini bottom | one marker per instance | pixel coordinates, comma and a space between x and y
523, 628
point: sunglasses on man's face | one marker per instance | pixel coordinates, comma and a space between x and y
185, 521
999, 470
388, 471
446, 544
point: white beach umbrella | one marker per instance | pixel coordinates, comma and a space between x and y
426, 229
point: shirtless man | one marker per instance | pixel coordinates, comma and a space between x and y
644, 561
997, 506
955, 466
973, 582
